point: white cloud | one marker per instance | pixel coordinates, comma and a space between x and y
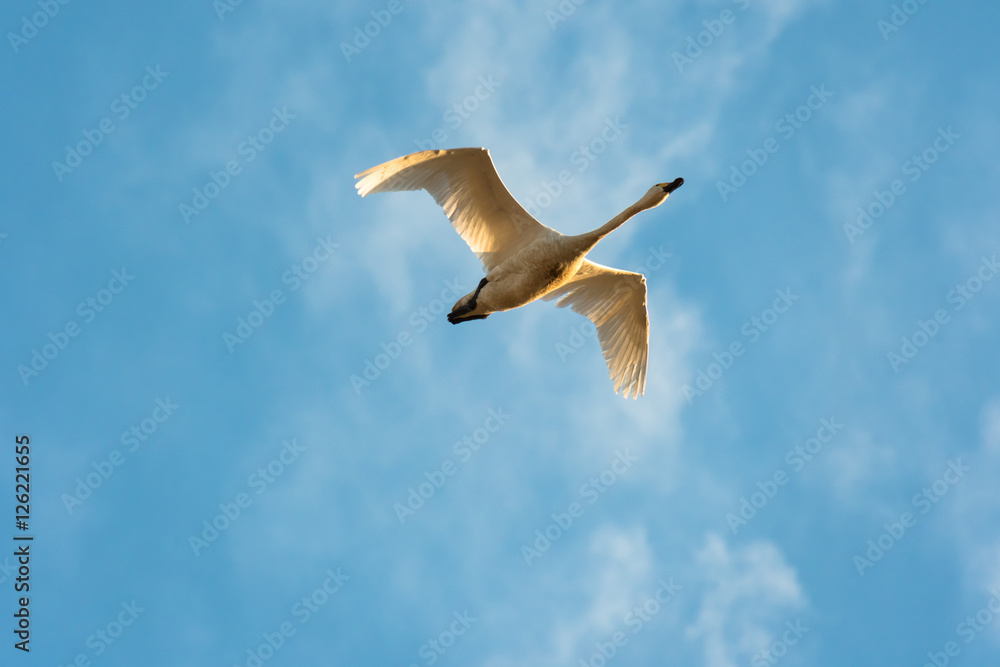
990, 426
975, 505
750, 592
624, 563
855, 463
613, 575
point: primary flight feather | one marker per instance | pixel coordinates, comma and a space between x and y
524, 260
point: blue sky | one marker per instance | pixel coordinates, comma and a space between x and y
192, 282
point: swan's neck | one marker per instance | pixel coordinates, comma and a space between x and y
614, 223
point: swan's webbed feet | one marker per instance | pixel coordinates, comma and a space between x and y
455, 316
455, 319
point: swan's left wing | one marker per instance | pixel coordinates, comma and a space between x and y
615, 301
464, 182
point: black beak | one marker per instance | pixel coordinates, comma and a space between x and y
673, 185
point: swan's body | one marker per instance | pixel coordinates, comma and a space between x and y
524, 260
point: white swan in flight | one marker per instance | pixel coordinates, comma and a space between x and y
524, 260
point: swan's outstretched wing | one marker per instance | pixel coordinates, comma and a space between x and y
615, 301
464, 182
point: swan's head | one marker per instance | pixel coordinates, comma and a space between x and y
657, 194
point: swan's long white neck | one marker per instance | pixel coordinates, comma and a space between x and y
614, 223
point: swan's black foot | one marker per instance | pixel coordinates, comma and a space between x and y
455, 319
455, 316
479, 287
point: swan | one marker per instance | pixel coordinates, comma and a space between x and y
524, 260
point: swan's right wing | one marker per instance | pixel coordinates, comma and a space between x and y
615, 301
464, 182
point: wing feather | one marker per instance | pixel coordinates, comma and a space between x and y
615, 301
465, 183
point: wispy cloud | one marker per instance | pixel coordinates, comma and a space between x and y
749, 592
